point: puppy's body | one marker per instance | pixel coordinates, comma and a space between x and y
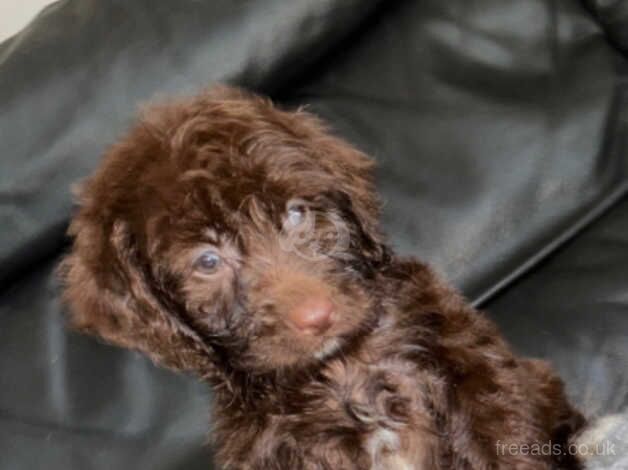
431, 386
240, 242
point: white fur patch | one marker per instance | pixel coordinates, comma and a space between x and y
604, 444
328, 348
381, 442
383, 447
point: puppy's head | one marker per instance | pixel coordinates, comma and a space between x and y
222, 229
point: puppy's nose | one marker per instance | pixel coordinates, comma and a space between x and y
313, 315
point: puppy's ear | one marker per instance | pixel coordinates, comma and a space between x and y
108, 295
354, 173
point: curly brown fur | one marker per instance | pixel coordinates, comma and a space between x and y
188, 247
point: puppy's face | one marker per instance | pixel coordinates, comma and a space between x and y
279, 282
250, 228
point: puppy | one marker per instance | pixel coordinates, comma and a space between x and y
229, 238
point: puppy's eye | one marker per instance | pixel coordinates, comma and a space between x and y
208, 262
296, 215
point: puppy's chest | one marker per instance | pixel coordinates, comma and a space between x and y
385, 407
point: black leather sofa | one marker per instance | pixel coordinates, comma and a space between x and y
500, 128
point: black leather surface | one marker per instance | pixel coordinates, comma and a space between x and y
493, 123
499, 126
68, 402
573, 310
613, 16
74, 78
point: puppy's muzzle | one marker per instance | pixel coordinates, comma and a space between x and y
313, 315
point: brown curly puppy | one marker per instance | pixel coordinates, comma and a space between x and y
229, 238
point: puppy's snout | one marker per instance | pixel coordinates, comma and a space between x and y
313, 315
